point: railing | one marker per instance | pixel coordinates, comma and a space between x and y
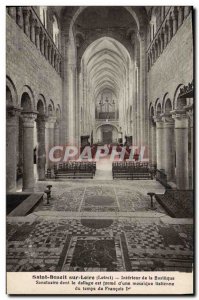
27, 19
172, 22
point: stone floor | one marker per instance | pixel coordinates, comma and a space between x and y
99, 225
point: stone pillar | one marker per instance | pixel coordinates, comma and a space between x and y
143, 102
41, 150
32, 30
153, 144
26, 21
169, 147
52, 57
189, 110
175, 20
56, 134
159, 142
138, 106
181, 137
165, 34
187, 10
19, 16
28, 119
42, 42
50, 142
170, 28
12, 11
162, 40
37, 38
180, 15
11, 146
192, 147
49, 52
46, 48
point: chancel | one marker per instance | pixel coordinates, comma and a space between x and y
99, 138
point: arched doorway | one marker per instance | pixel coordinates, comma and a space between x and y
107, 134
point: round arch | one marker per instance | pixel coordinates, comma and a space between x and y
41, 99
175, 97
26, 90
14, 97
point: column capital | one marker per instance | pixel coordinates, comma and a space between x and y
181, 118
157, 119
189, 110
28, 118
179, 114
167, 119
12, 111
50, 122
42, 118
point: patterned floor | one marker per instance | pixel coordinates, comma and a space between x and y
110, 228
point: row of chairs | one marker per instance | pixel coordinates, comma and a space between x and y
74, 169
131, 170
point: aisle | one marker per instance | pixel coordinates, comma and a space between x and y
103, 169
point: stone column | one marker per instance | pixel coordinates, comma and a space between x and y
180, 15
170, 28
32, 30
12, 11
169, 147
143, 102
175, 20
153, 143
52, 57
192, 146
41, 150
46, 48
42, 42
19, 16
37, 38
187, 10
189, 110
28, 119
137, 105
50, 141
181, 136
11, 146
49, 52
166, 34
26, 14
159, 142
56, 132
162, 40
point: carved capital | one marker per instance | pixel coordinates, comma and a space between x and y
28, 118
179, 114
12, 113
157, 119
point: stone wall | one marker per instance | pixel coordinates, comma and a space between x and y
25, 65
174, 66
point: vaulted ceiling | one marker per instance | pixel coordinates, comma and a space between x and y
106, 65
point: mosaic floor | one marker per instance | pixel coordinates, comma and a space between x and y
95, 226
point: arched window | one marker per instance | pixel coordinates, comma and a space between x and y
43, 15
55, 32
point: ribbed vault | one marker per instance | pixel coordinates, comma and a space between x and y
105, 65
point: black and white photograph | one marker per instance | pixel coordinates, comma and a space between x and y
100, 149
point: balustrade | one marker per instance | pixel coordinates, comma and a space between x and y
27, 19
171, 23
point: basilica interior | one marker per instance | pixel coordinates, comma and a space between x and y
99, 138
